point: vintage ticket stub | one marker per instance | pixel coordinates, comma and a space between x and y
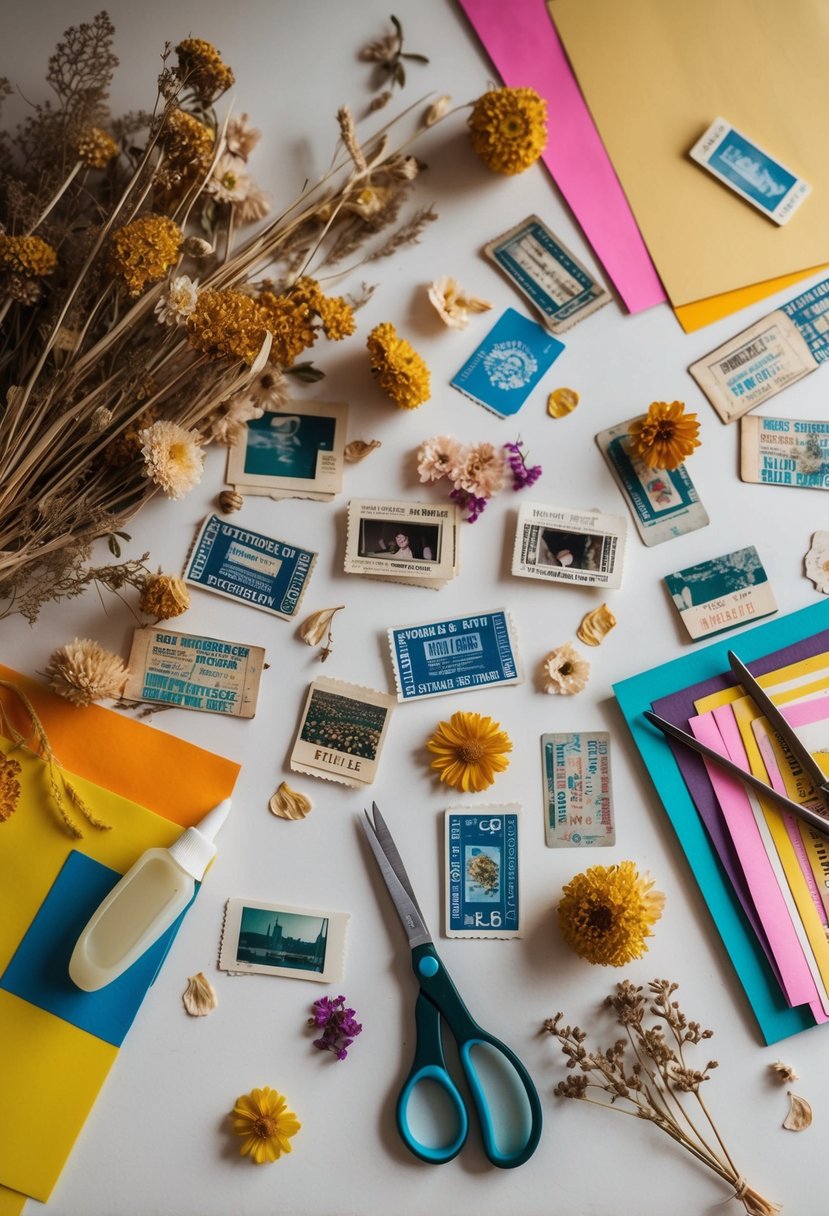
785, 452
293, 452
663, 502
723, 593
548, 274
746, 169
194, 672
578, 798
508, 364
483, 894
341, 732
402, 542
767, 357
565, 545
454, 655
249, 567
279, 939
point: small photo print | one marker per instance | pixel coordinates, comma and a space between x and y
482, 873
294, 452
566, 545
341, 732
389, 538
402, 542
579, 551
275, 939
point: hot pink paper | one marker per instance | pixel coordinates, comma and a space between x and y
524, 47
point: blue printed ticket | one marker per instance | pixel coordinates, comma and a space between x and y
508, 364
483, 897
577, 793
247, 566
722, 593
746, 169
454, 655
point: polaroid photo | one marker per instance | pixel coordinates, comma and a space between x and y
722, 593
509, 363
578, 801
785, 452
544, 270
663, 502
341, 732
402, 542
565, 545
194, 672
483, 888
294, 452
249, 567
750, 172
454, 655
276, 939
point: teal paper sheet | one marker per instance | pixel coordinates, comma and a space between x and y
636, 694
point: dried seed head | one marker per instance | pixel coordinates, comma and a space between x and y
230, 501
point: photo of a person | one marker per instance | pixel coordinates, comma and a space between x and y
569, 549
402, 548
386, 538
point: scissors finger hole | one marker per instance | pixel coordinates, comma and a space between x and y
506, 1116
435, 1119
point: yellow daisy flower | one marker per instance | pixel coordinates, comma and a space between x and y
607, 912
469, 750
509, 129
397, 367
665, 435
263, 1120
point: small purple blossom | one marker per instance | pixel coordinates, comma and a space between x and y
522, 474
339, 1025
469, 502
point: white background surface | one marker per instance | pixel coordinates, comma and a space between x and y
157, 1140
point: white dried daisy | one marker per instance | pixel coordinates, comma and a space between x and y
269, 390
228, 182
82, 671
453, 304
173, 458
179, 300
565, 671
227, 426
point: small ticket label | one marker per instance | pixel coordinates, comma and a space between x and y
565, 545
746, 169
454, 655
513, 357
483, 896
785, 452
194, 672
341, 732
402, 542
577, 790
722, 593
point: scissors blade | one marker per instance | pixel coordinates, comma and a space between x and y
815, 820
407, 909
384, 836
779, 724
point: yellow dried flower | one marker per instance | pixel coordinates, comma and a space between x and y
187, 143
202, 68
27, 255
290, 319
665, 435
144, 250
607, 912
509, 129
262, 1118
337, 318
289, 804
173, 458
95, 148
227, 324
164, 596
9, 786
397, 367
82, 671
469, 750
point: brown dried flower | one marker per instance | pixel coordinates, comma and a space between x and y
314, 628
202, 69
783, 1072
164, 596
82, 671
95, 149
9, 786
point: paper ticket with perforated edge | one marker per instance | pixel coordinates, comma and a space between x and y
457, 654
578, 799
785, 452
566, 545
402, 542
341, 732
194, 672
504, 369
296, 451
483, 892
723, 593
279, 939
544, 270
746, 169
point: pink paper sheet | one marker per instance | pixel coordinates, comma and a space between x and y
524, 47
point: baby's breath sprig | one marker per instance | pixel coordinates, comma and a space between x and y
653, 1080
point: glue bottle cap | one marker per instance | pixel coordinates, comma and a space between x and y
194, 849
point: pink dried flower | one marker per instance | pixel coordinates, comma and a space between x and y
481, 471
437, 456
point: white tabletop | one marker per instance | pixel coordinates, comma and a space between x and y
157, 1139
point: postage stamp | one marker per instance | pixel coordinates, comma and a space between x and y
483, 891
403, 542
341, 732
544, 270
758, 178
194, 672
767, 357
664, 503
564, 545
454, 655
578, 799
249, 567
722, 593
785, 452
276, 939
502, 372
294, 452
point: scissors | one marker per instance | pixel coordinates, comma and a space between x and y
438, 998
815, 811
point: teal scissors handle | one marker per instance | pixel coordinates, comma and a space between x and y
438, 998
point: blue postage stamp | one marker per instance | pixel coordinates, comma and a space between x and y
483, 897
722, 593
454, 655
577, 793
508, 364
249, 567
758, 178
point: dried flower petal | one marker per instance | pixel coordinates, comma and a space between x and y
817, 561
783, 1072
199, 996
82, 671
561, 402
287, 803
358, 449
799, 1116
437, 110
314, 628
565, 671
452, 303
596, 625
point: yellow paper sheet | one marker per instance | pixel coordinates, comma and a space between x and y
789, 683
655, 75
11, 1202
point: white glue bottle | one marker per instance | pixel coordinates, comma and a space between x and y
143, 904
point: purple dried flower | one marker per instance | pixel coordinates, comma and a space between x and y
522, 474
469, 502
340, 1027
